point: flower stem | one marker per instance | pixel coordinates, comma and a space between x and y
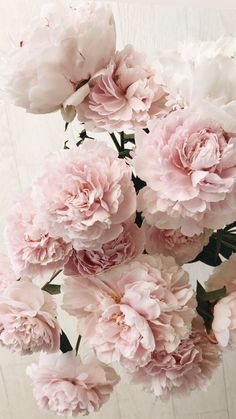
54, 275
115, 141
122, 140
77, 344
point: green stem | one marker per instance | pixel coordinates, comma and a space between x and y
122, 140
77, 344
115, 141
54, 275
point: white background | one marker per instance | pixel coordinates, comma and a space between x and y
26, 139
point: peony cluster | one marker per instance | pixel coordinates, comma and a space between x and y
191, 173
28, 319
127, 312
66, 386
53, 59
120, 223
124, 96
201, 76
224, 314
125, 247
188, 368
77, 214
173, 243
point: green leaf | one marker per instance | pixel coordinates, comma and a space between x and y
208, 254
216, 295
200, 292
206, 302
65, 345
230, 226
138, 183
65, 145
211, 296
139, 219
225, 251
52, 289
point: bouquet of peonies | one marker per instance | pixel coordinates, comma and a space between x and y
120, 217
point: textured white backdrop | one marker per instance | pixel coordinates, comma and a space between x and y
26, 139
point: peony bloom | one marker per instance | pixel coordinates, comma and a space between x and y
201, 75
125, 247
223, 276
187, 368
86, 193
132, 308
224, 321
190, 175
7, 276
31, 248
57, 54
125, 95
173, 243
28, 319
66, 386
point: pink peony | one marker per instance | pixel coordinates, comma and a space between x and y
86, 193
66, 386
57, 54
28, 319
201, 75
132, 308
174, 243
125, 95
7, 276
125, 247
224, 321
31, 248
187, 368
190, 174
223, 276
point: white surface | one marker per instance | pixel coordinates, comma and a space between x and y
26, 139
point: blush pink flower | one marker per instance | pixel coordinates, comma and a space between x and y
132, 308
31, 249
190, 174
173, 243
193, 77
188, 368
7, 276
223, 276
64, 385
125, 95
125, 247
87, 194
224, 321
57, 54
28, 319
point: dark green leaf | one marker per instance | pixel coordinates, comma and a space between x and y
124, 153
52, 289
200, 292
230, 226
66, 146
138, 183
65, 345
225, 251
139, 219
208, 254
216, 295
